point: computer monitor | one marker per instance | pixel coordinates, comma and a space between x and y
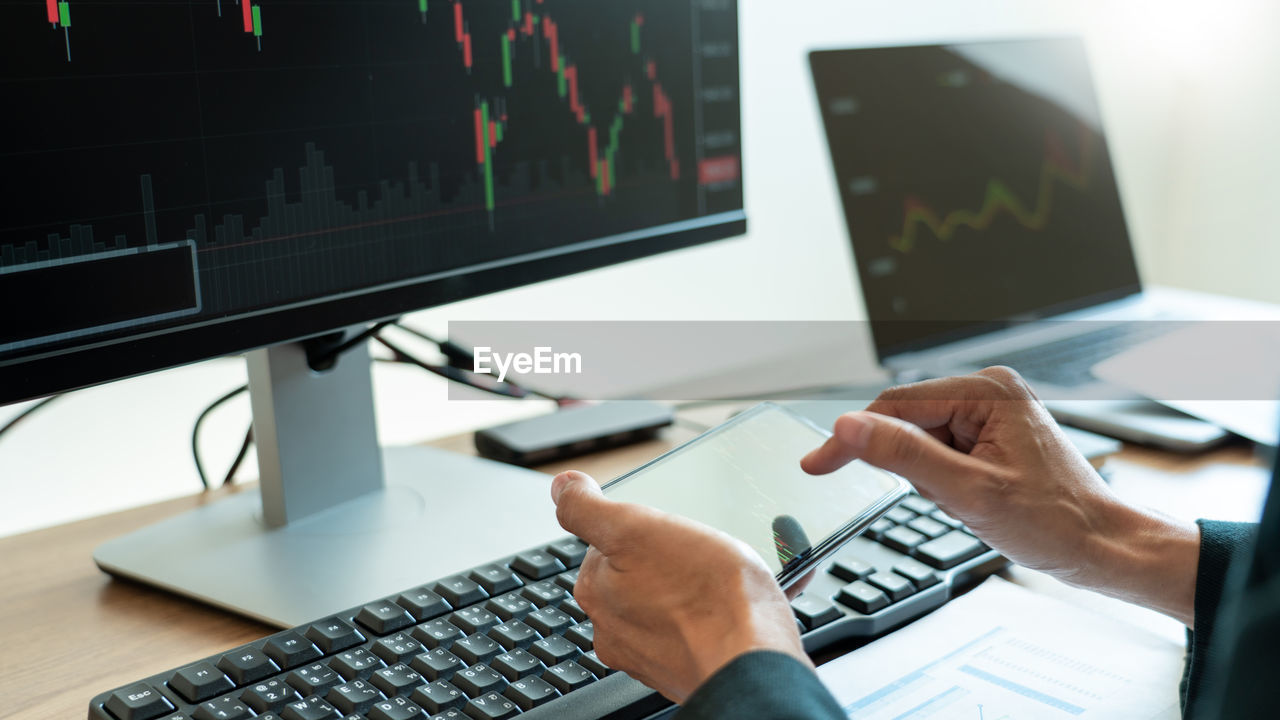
193, 180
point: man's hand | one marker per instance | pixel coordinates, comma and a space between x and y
672, 600
987, 452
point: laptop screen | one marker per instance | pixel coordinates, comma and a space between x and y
976, 184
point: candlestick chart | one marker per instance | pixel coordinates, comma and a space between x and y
305, 148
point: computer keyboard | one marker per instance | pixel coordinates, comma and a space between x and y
507, 639
1069, 362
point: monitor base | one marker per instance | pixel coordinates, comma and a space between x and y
439, 513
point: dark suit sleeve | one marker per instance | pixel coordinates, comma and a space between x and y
762, 685
1220, 544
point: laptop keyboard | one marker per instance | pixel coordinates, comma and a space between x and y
507, 639
1069, 362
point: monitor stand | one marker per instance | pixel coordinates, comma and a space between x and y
338, 521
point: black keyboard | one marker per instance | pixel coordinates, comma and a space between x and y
1069, 362
507, 639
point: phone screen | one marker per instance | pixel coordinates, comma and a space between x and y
744, 478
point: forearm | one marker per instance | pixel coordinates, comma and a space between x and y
1148, 559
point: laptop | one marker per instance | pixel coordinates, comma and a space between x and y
987, 225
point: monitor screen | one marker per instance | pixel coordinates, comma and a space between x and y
976, 183
190, 180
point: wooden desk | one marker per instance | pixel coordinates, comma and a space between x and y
68, 631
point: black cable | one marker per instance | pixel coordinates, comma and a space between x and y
27, 413
455, 353
244, 450
504, 389
195, 431
460, 360
328, 354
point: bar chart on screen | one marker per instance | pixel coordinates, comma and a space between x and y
1003, 653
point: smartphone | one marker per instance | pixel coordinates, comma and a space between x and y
743, 477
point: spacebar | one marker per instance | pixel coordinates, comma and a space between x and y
617, 697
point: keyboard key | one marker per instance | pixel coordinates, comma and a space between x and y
568, 580
423, 604
476, 648
945, 519
139, 702
893, 585
289, 650
513, 634
313, 679
478, 680
491, 706
200, 682
878, 528
460, 591
571, 608
399, 679
473, 620
814, 611
902, 539
353, 697
849, 569
438, 664
313, 708
900, 515
548, 620
438, 697
516, 664
510, 606
384, 617
553, 650
397, 648
929, 527
396, 709
862, 597
917, 504
437, 633
247, 664
333, 634
451, 714
544, 593
269, 696
537, 565
917, 572
583, 635
950, 550
591, 661
224, 708
569, 551
356, 664
495, 579
568, 676
529, 693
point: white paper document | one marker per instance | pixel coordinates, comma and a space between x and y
1002, 652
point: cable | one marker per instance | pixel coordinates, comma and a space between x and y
455, 353
504, 389
244, 450
461, 358
27, 413
195, 431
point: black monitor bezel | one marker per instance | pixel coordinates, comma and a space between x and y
47, 374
